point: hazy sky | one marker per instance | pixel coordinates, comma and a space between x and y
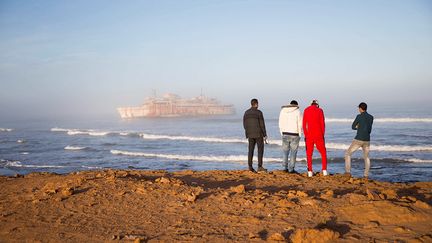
81, 57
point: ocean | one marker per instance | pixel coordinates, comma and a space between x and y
401, 145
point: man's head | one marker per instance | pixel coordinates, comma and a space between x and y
293, 102
254, 102
362, 107
315, 103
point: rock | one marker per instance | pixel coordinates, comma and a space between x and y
277, 237
421, 204
163, 180
309, 202
314, 235
371, 225
390, 194
355, 198
412, 199
284, 203
191, 197
372, 195
238, 189
67, 192
401, 230
301, 194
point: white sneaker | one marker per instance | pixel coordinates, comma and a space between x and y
325, 173
310, 173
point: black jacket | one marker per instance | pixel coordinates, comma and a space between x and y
253, 123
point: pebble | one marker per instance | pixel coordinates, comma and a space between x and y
277, 237
238, 189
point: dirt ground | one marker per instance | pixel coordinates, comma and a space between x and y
211, 206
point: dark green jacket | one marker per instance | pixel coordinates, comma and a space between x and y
363, 125
253, 123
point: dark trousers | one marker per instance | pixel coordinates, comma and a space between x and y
260, 144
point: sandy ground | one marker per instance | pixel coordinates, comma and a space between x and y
211, 206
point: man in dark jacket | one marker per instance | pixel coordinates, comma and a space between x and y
253, 123
363, 125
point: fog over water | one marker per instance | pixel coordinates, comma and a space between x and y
81, 59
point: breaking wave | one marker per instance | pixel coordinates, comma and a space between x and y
89, 132
195, 139
242, 158
69, 147
18, 164
329, 145
229, 158
6, 129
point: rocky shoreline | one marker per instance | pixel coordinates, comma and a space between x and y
211, 206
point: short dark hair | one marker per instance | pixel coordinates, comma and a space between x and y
254, 102
293, 102
363, 106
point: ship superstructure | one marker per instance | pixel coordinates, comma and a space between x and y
171, 105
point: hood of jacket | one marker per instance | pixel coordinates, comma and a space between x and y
289, 108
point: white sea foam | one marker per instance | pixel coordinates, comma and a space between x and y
329, 145
69, 147
228, 158
383, 120
25, 153
57, 129
419, 160
19, 164
278, 142
196, 139
6, 129
80, 132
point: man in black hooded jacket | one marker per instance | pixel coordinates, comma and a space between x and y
253, 123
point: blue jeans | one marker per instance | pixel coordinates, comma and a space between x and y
290, 143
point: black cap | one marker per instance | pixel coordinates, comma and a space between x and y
293, 102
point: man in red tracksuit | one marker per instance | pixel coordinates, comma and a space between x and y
314, 130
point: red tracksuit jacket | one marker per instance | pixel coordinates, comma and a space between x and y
313, 122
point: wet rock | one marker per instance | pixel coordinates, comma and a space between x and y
238, 189
314, 235
277, 237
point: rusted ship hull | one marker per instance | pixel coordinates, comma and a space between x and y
172, 106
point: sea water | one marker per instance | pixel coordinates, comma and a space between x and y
401, 146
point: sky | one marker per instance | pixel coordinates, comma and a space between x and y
82, 58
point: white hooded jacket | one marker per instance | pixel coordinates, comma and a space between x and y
290, 119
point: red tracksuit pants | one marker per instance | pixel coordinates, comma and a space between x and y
320, 145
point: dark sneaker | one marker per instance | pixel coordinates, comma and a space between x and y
251, 169
286, 171
262, 169
293, 172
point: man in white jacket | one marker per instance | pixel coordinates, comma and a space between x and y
290, 125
